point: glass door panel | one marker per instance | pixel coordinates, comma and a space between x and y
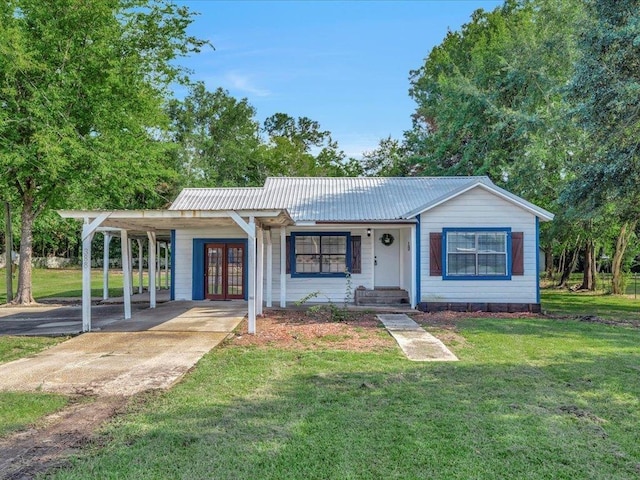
224, 271
214, 271
235, 271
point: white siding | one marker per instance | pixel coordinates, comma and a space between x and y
479, 208
406, 251
184, 254
332, 289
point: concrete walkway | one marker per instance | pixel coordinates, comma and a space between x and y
415, 342
154, 354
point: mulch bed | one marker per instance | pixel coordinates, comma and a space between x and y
361, 331
305, 330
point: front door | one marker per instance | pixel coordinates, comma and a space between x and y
387, 258
224, 271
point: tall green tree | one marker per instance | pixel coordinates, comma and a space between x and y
491, 101
606, 92
389, 159
81, 87
299, 147
218, 140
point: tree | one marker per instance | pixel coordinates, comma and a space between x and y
81, 88
388, 160
606, 91
218, 139
490, 101
298, 147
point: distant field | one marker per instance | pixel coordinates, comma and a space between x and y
68, 283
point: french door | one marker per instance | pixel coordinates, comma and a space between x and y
224, 271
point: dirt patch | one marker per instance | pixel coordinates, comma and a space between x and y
605, 321
304, 330
25, 454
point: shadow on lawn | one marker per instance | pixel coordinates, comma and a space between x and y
569, 329
381, 417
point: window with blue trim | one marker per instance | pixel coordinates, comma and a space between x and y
477, 253
326, 254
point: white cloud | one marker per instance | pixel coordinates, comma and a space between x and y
244, 83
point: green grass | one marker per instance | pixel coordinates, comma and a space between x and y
12, 348
563, 302
67, 283
17, 410
530, 399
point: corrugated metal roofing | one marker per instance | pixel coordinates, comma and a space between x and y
336, 199
217, 199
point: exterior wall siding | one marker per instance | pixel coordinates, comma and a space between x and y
328, 289
184, 255
479, 208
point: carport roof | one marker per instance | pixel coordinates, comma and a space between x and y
163, 221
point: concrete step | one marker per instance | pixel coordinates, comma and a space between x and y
386, 296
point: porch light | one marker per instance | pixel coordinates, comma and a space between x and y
368, 232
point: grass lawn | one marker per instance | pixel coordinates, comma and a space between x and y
68, 283
562, 302
531, 398
18, 410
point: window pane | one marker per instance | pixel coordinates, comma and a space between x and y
337, 244
334, 263
461, 242
307, 244
461, 264
307, 263
492, 264
492, 242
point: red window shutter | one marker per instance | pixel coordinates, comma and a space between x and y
288, 254
435, 254
517, 253
356, 254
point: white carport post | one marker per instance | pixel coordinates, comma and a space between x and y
126, 273
414, 267
250, 230
130, 266
260, 271
152, 269
157, 264
105, 266
283, 267
166, 265
88, 229
269, 268
140, 261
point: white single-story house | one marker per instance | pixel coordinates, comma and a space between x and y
433, 242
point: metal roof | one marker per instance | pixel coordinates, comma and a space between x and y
342, 199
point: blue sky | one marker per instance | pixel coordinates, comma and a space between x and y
344, 64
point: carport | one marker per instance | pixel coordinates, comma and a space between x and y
161, 225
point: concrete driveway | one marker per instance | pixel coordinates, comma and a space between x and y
153, 350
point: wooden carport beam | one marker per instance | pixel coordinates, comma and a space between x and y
250, 229
88, 230
126, 273
152, 269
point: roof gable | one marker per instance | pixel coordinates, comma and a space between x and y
492, 188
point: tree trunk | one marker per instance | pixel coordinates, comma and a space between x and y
563, 260
594, 268
569, 268
25, 293
8, 263
588, 278
548, 262
617, 279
